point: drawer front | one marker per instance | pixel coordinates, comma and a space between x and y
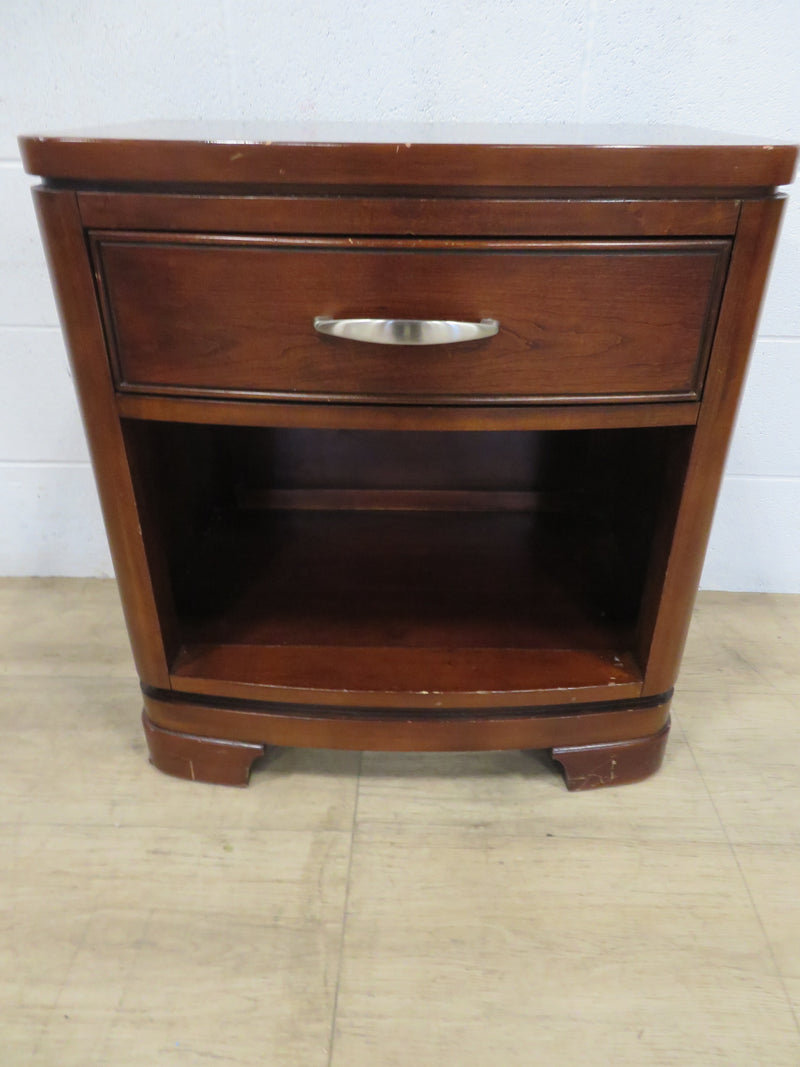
619, 320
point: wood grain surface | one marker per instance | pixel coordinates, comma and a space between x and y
577, 320
326, 543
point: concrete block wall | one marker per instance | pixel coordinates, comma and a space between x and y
725, 64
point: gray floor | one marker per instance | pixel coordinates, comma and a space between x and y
415, 910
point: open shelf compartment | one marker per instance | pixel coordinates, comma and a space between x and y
407, 568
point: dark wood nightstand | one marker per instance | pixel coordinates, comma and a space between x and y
408, 438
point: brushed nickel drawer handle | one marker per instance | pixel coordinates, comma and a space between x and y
406, 331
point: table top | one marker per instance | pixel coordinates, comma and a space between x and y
410, 154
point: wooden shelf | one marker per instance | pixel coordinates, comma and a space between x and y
380, 677
433, 608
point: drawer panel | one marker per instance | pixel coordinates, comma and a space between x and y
619, 320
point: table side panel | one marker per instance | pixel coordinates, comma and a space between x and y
668, 616
148, 608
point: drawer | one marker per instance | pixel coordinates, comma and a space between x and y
578, 320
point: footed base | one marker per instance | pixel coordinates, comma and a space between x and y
617, 763
218, 741
202, 759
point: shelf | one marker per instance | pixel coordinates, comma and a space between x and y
433, 608
390, 677
441, 417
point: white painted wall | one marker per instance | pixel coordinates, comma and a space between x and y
725, 64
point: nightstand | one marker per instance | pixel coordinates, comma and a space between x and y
408, 438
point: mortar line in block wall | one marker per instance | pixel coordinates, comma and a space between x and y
762, 477
38, 326
586, 59
45, 463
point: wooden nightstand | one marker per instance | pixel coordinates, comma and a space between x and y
408, 438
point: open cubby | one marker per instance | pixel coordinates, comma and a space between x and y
407, 562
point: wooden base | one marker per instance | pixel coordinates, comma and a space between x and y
618, 763
601, 744
203, 759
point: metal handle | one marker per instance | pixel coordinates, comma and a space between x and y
406, 331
